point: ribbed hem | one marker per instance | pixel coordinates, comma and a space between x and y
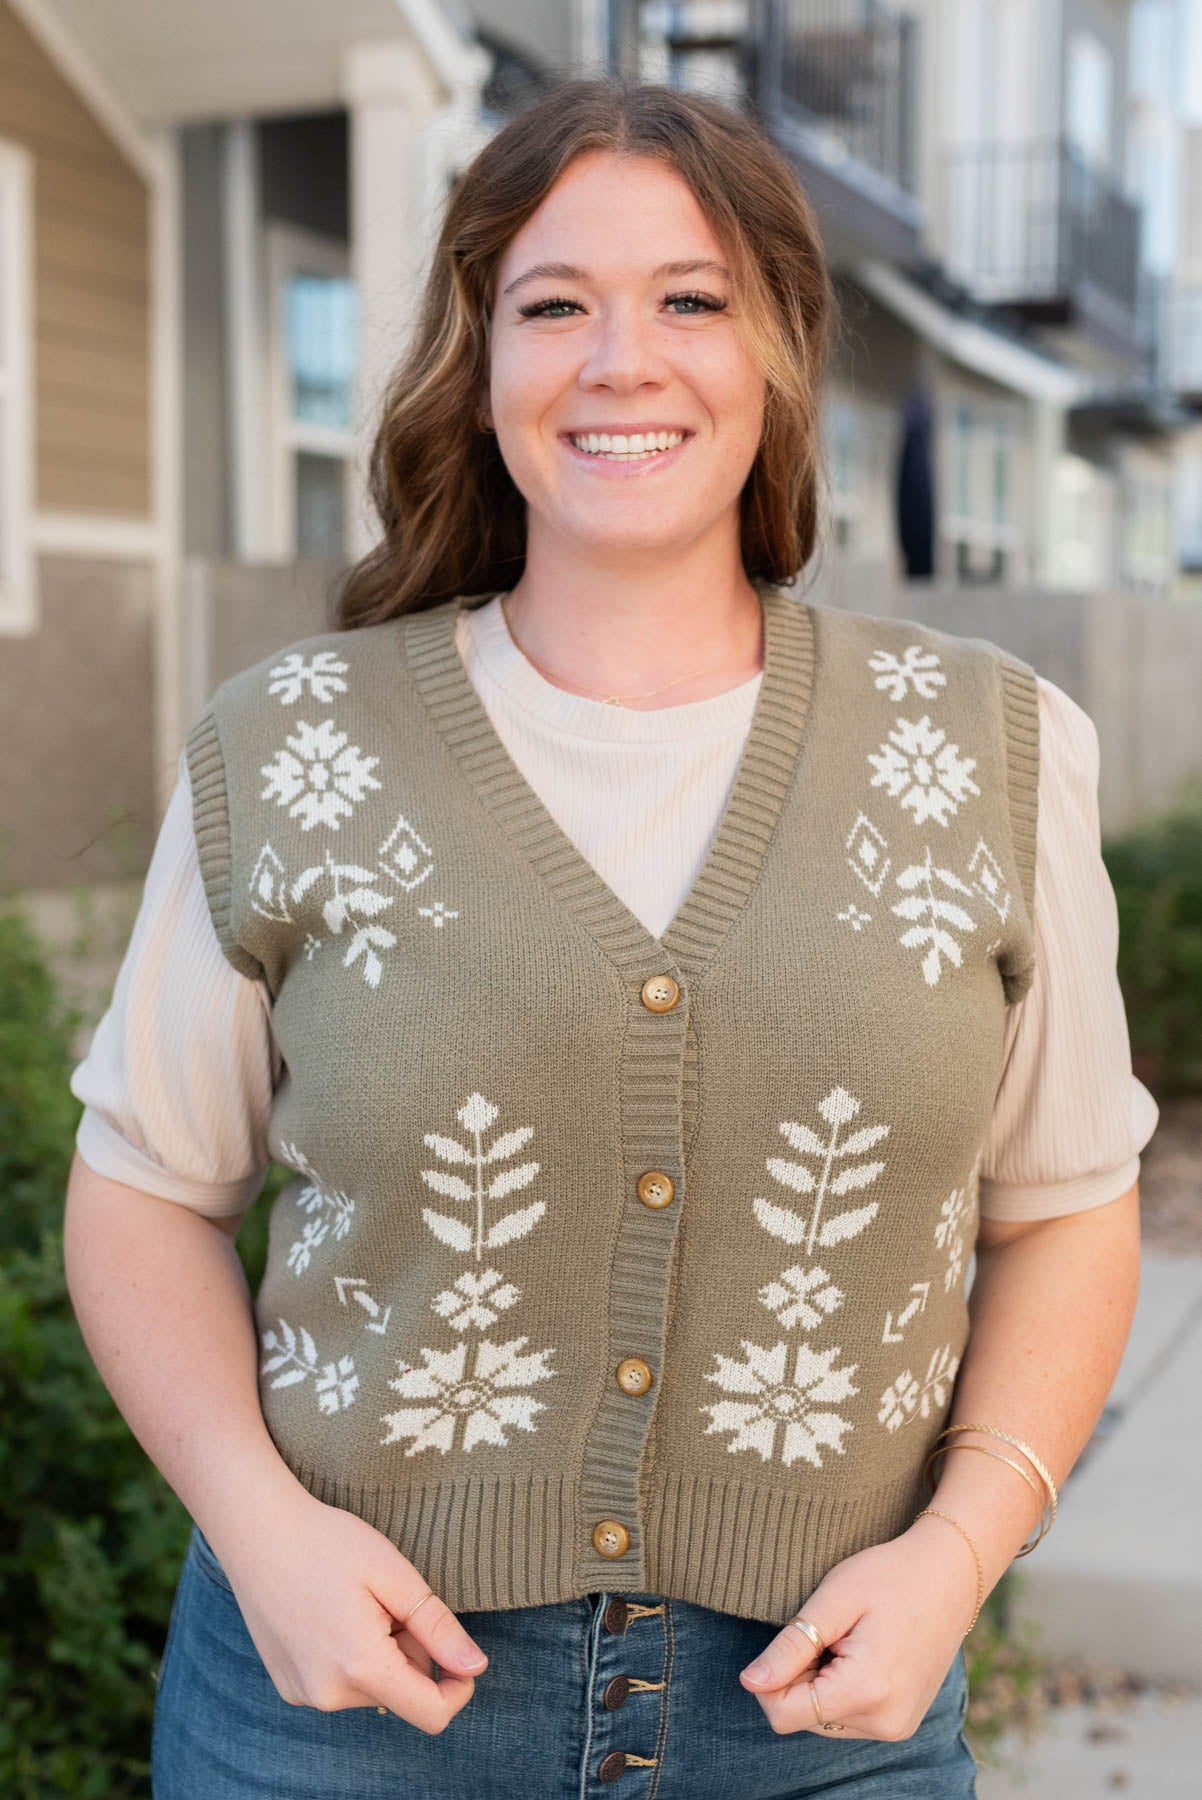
1020, 696
485, 1545
211, 824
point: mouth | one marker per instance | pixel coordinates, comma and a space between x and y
619, 451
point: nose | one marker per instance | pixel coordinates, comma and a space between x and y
622, 353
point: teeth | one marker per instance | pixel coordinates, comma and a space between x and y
618, 445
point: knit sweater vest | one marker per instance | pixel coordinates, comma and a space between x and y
612, 1261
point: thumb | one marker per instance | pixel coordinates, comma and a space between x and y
425, 1617
783, 1659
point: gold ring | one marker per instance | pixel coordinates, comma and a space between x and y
811, 1631
826, 1724
428, 1595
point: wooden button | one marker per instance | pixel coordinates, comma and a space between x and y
611, 1538
655, 1188
634, 1377
660, 993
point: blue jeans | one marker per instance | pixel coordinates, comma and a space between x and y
632, 1693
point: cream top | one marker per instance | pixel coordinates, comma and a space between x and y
178, 1080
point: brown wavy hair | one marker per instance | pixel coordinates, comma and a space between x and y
453, 520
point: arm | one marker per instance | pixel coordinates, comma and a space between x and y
164, 1308
1051, 1308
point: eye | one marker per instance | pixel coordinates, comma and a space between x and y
707, 303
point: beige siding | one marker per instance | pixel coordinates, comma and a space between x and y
91, 290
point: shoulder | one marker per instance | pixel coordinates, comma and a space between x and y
893, 644
1070, 752
317, 667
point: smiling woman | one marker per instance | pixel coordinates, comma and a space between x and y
646, 1069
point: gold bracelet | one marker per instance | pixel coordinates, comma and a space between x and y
940, 1449
936, 1514
1032, 1458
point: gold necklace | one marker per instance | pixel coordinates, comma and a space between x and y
595, 693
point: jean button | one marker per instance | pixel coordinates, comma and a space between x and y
617, 1692
616, 1615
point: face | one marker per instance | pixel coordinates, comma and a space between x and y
611, 343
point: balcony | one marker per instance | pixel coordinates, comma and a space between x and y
1180, 362
1038, 230
836, 83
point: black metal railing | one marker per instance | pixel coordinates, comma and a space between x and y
1036, 224
847, 68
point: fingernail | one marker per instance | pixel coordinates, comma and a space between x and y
470, 1659
757, 1671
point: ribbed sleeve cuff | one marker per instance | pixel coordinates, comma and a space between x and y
109, 1154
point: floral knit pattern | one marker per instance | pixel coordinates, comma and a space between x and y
480, 1400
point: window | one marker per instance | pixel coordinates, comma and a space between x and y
1089, 96
18, 600
859, 439
981, 460
314, 359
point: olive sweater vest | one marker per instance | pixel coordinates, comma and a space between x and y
612, 1261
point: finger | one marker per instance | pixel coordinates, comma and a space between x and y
387, 1678
783, 1659
430, 1621
416, 1653
792, 1708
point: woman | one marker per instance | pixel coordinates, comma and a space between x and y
588, 892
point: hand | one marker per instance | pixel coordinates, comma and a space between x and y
323, 1595
893, 1617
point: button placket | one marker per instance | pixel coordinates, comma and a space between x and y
628, 1687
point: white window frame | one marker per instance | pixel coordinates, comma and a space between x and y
291, 248
978, 529
18, 594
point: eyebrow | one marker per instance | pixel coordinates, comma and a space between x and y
561, 271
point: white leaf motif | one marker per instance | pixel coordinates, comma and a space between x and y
448, 1231
791, 1175
515, 1224
860, 1177
781, 1221
846, 1225
509, 1143
802, 1138
453, 1186
511, 1179
450, 1149
860, 1141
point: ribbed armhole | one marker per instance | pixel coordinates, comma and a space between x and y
1021, 710
211, 823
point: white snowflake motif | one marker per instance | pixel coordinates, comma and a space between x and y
323, 676
907, 1398
335, 1384
334, 1211
865, 846
798, 1408
320, 777
929, 776
405, 856
463, 1303
988, 879
438, 913
484, 1401
854, 917
838, 1108
476, 1115
919, 667
928, 906
801, 1297
950, 1232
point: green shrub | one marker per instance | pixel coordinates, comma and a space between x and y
1156, 872
91, 1536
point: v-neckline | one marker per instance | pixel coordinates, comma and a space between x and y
744, 833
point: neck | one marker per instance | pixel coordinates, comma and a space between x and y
624, 630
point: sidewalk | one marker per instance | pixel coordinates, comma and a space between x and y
1120, 1578
1119, 1581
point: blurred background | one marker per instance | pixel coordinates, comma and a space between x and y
214, 225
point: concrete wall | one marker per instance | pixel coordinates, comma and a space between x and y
77, 777
1133, 661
